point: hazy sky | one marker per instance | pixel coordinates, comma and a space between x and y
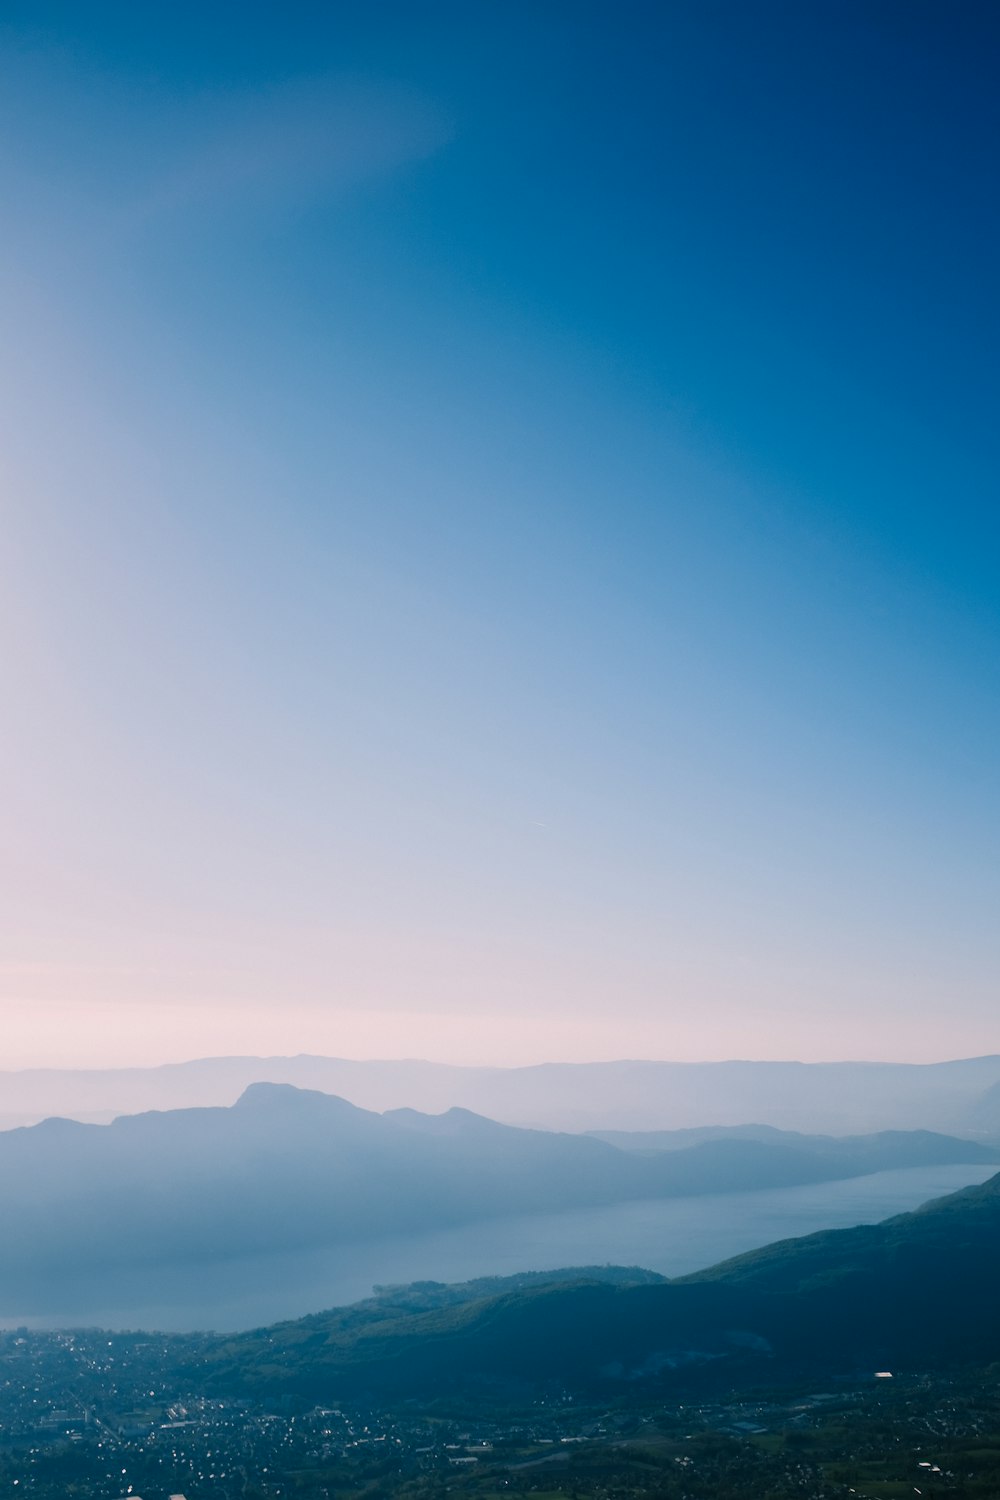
500, 529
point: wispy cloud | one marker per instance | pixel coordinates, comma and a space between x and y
86, 158
301, 138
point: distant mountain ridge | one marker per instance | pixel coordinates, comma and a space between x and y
915, 1292
960, 1097
844, 1156
285, 1169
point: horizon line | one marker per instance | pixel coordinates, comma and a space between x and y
235, 1057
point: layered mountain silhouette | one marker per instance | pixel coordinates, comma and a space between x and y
288, 1169
834, 1098
917, 1292
833, 1156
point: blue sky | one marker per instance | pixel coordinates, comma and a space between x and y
500, 556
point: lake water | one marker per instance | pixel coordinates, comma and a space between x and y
672, 1236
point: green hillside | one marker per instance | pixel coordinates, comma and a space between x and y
918, 1291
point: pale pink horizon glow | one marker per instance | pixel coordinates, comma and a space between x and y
97, 1034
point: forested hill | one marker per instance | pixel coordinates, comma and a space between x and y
917, 1292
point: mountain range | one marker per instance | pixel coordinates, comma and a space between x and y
286, 1169
960, 1097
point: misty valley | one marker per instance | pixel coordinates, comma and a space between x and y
673, 1237
290, 1200
851, 1361
291, 1294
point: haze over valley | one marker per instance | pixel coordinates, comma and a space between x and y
291, 1199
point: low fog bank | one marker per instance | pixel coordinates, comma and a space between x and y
673, 1237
